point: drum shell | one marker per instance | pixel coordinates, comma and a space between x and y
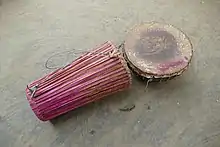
91, 77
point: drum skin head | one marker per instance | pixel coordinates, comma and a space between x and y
155, 50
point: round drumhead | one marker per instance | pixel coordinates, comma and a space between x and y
155, 50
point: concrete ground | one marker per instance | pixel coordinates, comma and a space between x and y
183, 112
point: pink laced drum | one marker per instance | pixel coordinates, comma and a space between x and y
157, 51
152, 50
94, 75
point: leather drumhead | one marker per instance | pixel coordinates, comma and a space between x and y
157, 50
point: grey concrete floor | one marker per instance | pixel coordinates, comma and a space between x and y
184, 112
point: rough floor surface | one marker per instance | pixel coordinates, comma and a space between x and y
183, 112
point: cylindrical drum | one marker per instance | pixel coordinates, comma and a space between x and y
157, 51
94, 75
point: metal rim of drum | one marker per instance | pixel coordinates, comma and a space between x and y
174, 39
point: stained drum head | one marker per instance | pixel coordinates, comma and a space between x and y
155, 50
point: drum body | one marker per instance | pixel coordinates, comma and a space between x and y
94, 75
157, 51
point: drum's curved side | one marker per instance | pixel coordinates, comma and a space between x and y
124, 63
91, 77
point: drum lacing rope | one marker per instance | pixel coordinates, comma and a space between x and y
112, 54
148, 82
32, 90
